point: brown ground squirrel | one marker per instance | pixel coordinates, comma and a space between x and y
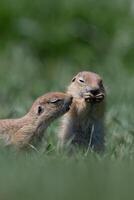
84, 123
30, 128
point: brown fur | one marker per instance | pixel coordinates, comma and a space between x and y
30, 128
84, 123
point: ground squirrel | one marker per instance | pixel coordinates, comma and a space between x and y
84, 123
30, 128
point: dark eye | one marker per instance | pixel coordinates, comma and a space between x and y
40, 110
81, 80
54, 100
73, 79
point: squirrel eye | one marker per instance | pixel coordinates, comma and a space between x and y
73, 79
40, 110
54, 100
81, 80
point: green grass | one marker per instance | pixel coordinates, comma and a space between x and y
48, 174
43, 44
43, 177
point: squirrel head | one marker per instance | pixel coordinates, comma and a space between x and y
87, 85
51, 106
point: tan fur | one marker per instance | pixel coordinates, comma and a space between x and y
30, 128
84, 123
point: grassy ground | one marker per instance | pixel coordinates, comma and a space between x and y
43, 44
47, 174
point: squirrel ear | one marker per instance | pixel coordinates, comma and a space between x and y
40, 110
73, 79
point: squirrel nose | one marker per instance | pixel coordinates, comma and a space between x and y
68, 100
94, 91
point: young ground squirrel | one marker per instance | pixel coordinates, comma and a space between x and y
83, 124
30, 128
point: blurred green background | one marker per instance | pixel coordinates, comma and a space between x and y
42, 45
